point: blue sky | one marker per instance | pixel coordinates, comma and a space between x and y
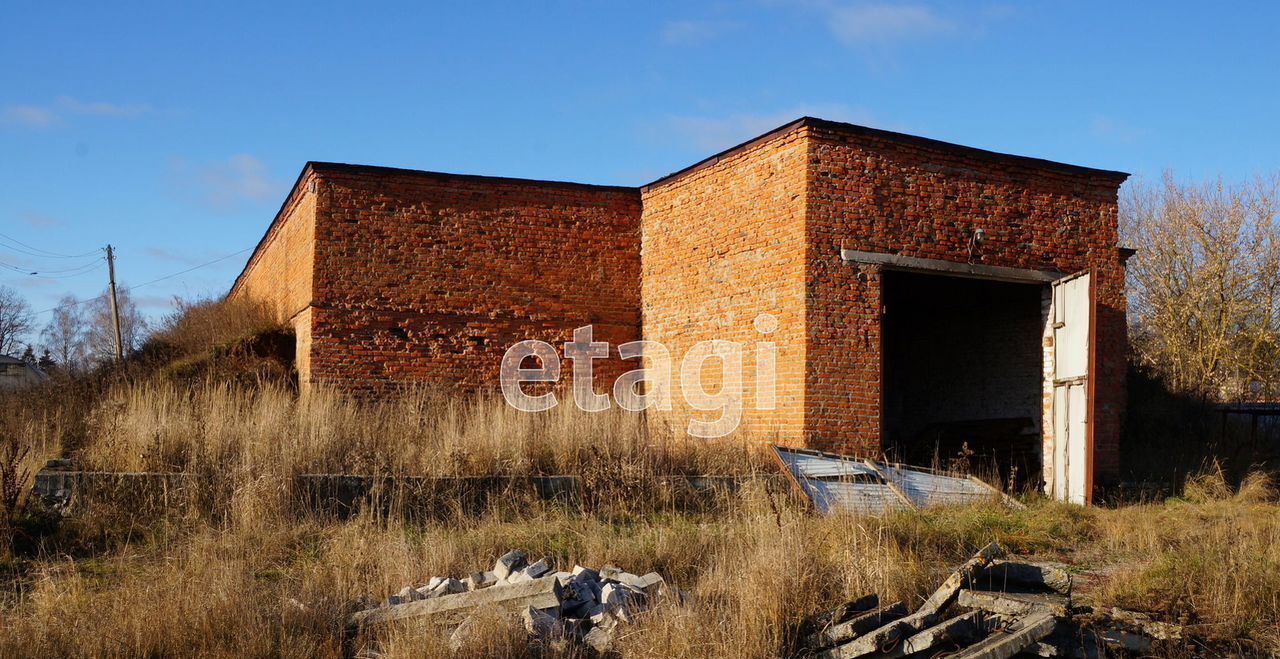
173, 132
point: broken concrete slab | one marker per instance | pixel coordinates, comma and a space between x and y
409, 594
508, 563
959, 630
538, 569
448, 587
841, 613
557, 609
946, 594
883, 639
541, 593
540, 623
1015, 604
1143, 623
652, 584
600, 639
1021, 635
856, 626
1001, 574
478, 580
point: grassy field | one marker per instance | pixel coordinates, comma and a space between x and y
247, 573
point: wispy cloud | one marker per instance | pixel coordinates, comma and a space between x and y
28, 116
39, 220
886, 24
1108, 129
71, 105
227, 184
693, 32
717, 133
63, 108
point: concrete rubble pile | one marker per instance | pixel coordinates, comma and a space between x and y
989, 608
582, 606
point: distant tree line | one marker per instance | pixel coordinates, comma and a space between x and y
78, 335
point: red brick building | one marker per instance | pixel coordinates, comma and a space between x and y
921, 293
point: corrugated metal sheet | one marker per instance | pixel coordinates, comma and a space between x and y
837, 483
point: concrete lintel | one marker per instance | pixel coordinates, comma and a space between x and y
954, 269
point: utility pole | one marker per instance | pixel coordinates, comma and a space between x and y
115, 306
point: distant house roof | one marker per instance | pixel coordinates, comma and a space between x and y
8, 361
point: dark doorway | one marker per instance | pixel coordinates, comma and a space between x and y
963, 374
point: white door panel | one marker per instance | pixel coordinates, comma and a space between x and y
1072, 332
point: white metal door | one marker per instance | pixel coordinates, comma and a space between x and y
1072, 338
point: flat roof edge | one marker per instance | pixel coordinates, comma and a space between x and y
348, 168
927, 142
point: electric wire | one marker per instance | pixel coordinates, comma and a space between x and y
148, 283
93, 267
43, 253
61, 273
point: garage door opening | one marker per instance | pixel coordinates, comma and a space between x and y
963, 374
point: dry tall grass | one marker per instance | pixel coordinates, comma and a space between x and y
253, 576
166, 426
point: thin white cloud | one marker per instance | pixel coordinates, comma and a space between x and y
101, 108
886, 24
65, 107
227, 184
717, 133
28, 116
693, 32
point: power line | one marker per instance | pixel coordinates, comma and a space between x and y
157, 279
75, 272
42, 253
62, 273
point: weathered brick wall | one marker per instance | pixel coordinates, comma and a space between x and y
874, 192
425, 277
281, 270
723, 243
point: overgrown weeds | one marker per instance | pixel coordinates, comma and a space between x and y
241, 570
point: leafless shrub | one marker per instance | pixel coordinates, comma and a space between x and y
14, 477
1205, 284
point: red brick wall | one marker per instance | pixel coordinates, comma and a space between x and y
874, 192
430, 278
403, 276
722, 244
281, 271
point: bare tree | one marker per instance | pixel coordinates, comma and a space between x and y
64, 335
1205, 284
100, 337
15, 320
